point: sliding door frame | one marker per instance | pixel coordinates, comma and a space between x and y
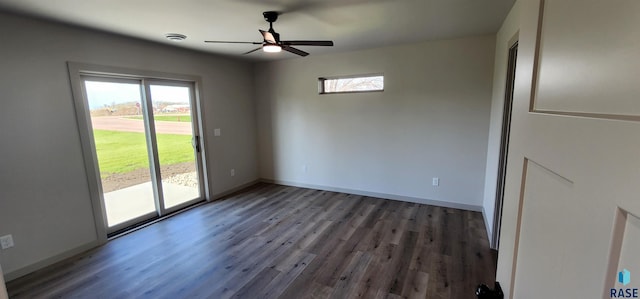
77, 71
147, 83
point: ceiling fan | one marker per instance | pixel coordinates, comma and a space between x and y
271, 39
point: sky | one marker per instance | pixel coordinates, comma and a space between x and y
101, 94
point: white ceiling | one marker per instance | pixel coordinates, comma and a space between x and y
351, 24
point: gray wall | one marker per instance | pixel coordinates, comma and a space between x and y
44, 198
432, 120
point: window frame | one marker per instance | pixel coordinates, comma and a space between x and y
321, 85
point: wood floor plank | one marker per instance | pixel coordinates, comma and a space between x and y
254, 287
290, 270
347, 284
402, 267
272, 241
416, 285
316, 291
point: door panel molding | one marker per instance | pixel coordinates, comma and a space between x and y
555, 71
620, 237
539, 183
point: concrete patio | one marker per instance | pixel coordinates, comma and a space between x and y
131, 202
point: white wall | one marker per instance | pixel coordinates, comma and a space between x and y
507, 31
432, 120
44, 198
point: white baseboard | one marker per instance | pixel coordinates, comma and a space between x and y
426, 201
50, 261
235, 189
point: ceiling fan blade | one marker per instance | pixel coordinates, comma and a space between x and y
294, 50
256, 49
268, 37
230, 42
327, 43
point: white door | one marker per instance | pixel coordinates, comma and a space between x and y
572, 198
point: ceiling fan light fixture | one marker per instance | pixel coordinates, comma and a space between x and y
271, 48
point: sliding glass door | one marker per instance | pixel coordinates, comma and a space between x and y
177, 143
145, 140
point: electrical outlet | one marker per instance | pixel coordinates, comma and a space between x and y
435, 181
216, 132
233, 172
6, 241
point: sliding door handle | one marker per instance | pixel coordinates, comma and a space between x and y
195, 142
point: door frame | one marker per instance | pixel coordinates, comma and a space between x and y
504, 140
147, 83
77, 71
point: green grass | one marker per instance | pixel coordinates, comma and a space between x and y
122, 152
176, 118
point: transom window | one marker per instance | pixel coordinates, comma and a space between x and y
348, 84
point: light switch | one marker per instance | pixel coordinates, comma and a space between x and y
216, 132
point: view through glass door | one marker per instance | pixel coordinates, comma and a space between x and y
177, 143
146, 146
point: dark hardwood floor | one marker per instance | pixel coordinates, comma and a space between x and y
273, 241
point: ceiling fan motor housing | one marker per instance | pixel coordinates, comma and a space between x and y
270, 16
